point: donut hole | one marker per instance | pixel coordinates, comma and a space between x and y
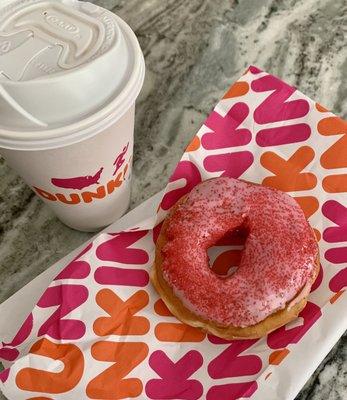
225, 255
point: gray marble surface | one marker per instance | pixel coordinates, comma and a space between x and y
194, 50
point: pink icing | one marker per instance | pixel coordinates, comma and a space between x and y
278, 258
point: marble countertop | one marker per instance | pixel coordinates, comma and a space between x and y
194, 50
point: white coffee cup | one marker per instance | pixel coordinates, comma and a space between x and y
70, 73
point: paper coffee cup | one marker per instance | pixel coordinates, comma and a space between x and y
70, 73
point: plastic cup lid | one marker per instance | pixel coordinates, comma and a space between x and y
64, 65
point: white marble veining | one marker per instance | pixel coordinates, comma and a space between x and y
194, 50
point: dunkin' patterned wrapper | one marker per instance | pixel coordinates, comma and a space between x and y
100, 331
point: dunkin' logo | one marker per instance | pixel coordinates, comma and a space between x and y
82, 182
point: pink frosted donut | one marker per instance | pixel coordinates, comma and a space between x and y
279, 260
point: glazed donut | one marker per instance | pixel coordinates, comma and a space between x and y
278, 266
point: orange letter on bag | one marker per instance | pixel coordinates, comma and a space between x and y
122, 319
36, 380
175, 331
110, 383
40, 398
288, 173
336, 155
